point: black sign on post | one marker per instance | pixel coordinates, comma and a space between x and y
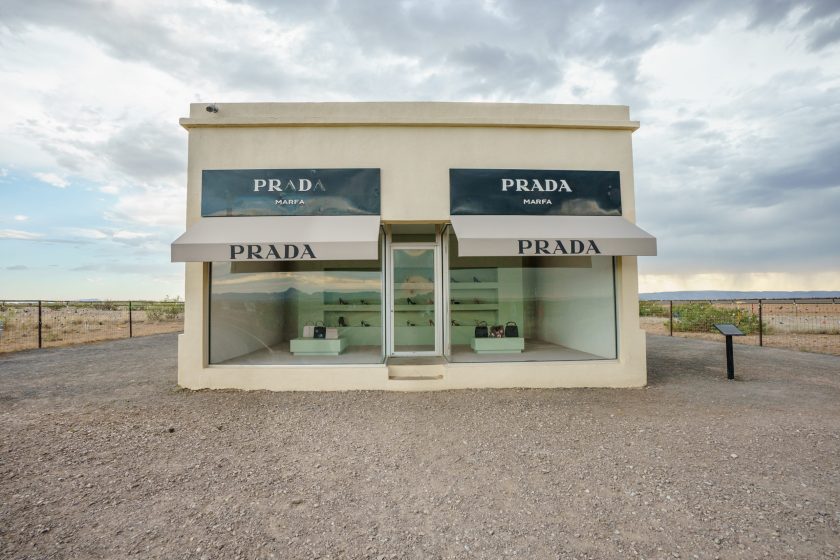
289, 192
729, 330
534, 191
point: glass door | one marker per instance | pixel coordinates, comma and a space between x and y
414, 300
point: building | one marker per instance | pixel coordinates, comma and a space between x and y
404, 229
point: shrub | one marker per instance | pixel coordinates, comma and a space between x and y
7, 315
652, 309
167, 310
701, 316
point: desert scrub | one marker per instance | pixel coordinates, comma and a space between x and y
652, 309
167, 310
701, 316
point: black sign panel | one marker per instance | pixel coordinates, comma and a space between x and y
289, 192
534, 191
728, 329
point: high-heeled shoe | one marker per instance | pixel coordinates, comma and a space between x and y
431, 322
365, 324
455, 323
342, 302
409, 324
475, 279
341, 322
410, 301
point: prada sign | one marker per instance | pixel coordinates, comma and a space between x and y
289, 192
557, 247
534, 191
271, 252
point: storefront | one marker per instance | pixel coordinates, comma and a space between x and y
410, 246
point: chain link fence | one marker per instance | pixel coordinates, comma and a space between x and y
808, 325
44, 324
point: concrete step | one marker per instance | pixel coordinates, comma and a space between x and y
415, 372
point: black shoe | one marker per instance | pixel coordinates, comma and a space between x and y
410, 301
455, 323
341, 322
475, 279
341, 302
409, 324
365, 324
363, 302
431, 323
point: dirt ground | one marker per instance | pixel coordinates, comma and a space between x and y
78, 323
793, 339
102, 456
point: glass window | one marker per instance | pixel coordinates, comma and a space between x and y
533, 308
294, 312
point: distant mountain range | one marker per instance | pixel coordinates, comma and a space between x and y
721, 294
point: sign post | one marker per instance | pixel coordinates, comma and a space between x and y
729, 330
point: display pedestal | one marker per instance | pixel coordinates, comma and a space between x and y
512, 345
317, 346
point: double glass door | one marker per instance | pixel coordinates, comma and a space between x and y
414, 302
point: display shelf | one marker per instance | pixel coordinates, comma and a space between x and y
352, 307
473, 285
317, 346
456, 307
507, 345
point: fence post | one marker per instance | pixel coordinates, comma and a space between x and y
130, 326
671, 321
760, 323
39, 324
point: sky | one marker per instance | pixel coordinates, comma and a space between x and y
737, 161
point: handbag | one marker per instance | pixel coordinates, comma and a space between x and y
332, 333
511, 330
309, 329
319, 331
481, 329
497, 331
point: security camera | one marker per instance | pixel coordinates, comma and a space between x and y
212, 108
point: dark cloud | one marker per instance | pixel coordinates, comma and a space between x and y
146, 150
825, 35
820, 170
490, 69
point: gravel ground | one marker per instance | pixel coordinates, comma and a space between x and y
102, 456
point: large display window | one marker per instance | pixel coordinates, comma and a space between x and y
554, 308
273, 313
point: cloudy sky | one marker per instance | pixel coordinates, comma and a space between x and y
737, 161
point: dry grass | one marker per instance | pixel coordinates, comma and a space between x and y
65, 324
807, 327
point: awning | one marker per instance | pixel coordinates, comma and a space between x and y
488, 236
272, 238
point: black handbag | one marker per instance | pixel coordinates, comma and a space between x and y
320, 331
481, 330
511, 330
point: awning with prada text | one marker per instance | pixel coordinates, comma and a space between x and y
274, 238
487, 236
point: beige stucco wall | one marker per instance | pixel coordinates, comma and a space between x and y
414, 145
